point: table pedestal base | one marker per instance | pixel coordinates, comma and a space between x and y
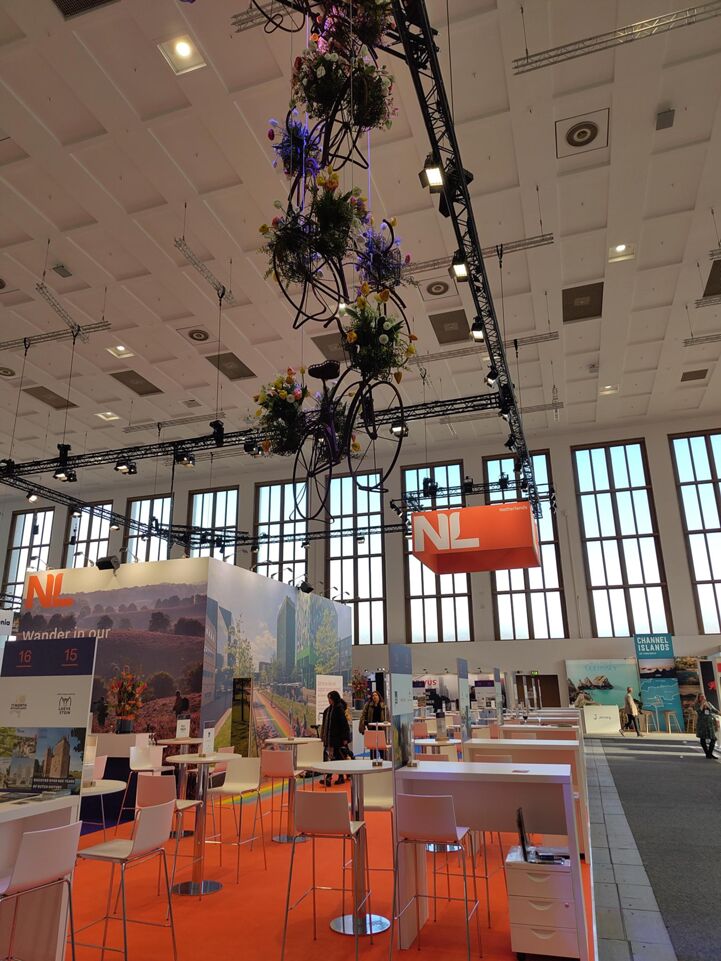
288, 839
197, 888
442, 848
369, 924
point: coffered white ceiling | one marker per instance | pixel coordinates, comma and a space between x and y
102, 147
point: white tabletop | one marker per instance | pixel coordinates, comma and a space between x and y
215, 758
480, 770
536, 744
12, 810
349, 767
180, 740
432, 742
102, 786
290, 740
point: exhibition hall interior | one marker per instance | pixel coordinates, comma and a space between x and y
360, 480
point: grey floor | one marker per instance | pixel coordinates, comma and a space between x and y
629, 923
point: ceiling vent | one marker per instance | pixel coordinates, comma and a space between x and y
450, 327
689, 375
330, 346
7, 372
192, 403
74, 8
713, 284
62, 271
49, 397
664, 119
199, 335
582, 303
136, 382
230, 365
582, 133
439, 286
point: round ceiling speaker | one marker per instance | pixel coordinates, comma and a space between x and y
7, 372
581, 134
437, 288
198, 335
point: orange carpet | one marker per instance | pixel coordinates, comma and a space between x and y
244, 920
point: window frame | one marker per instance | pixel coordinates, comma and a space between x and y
353, 601
224, 488
88, 507
706, 434
619, 538
126, 530
10, 547
407, 552
528, 591
282, 523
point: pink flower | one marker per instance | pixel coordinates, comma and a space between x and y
408, 258
275, 221
297, 393
271, 134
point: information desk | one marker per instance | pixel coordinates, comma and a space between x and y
553, 732
486, 797
41, 916
546, 752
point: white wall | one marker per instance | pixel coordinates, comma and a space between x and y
485, 651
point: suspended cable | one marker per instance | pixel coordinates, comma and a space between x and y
70, 383
540, 217
523, 21
450, 59
26, 344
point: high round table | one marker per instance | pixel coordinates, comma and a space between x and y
198, 886
289, 744
184, 743
435, 745
100, 788
365, 923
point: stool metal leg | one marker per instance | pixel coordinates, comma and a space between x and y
107, 911
125, 914
287, 899
168, 888
71, 919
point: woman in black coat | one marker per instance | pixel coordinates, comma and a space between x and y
335, 731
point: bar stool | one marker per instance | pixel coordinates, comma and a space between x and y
242, 779
277, 766
420, 729
310, 752
325, 816
669, 716
378, 796
429, 819
375, 742
153, 790
650, 716
151, 831
145, 758
44, 859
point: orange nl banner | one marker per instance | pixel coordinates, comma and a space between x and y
464, 539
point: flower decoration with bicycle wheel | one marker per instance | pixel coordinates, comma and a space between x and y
279, 413
377, 344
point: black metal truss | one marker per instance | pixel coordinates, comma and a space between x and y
239, 438
417, 35
419, 500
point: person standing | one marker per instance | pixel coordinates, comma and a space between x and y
632, 710
706, 715
374, 712
334, 732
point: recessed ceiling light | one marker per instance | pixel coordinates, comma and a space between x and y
621, 252
182, 54
108, 415
120, 351
609, 389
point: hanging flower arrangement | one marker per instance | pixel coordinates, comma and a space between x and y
337, 216
279, 412
125, 694
290, 246
377, 344
380, 262
296, 147
319, 82
366, 20
370, 100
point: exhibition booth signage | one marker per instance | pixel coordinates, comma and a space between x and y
488, 538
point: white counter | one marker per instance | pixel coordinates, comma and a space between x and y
40, 933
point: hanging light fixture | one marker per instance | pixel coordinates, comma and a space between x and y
185, 458
459, 267
31, 496
61, 471
477, 332
399, 428
122, 465
492, 375
432, 175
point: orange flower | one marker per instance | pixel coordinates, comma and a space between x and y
351, 336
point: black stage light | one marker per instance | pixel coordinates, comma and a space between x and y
432, 175
185, 458
399, 428
306, 587
492, 376
468, 485
430, 487
453, 181
218, 429
477, 330
109, 563
459, 267
31, 496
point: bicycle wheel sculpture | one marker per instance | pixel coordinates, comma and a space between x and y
313, 470
377, 408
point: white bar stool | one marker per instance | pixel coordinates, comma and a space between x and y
44, 859
145, 758
325, 816
278, 766
151, 832
242, 780
428, 819
152, 791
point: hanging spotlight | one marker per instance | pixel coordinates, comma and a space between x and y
492, 376
432, 175
511, 442
114, 526
71, 477
218, 429
503, 481
185, 458
468, 485
453, 181
122, 465
77, 512
251, 447
477, 330
524, 484
459, 268
31, 496
506, 403
361, 539
399, 428
61, 471
306, 586
132, 468
430, 487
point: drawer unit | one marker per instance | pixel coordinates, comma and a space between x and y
555, 942
542, 911
539, 883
